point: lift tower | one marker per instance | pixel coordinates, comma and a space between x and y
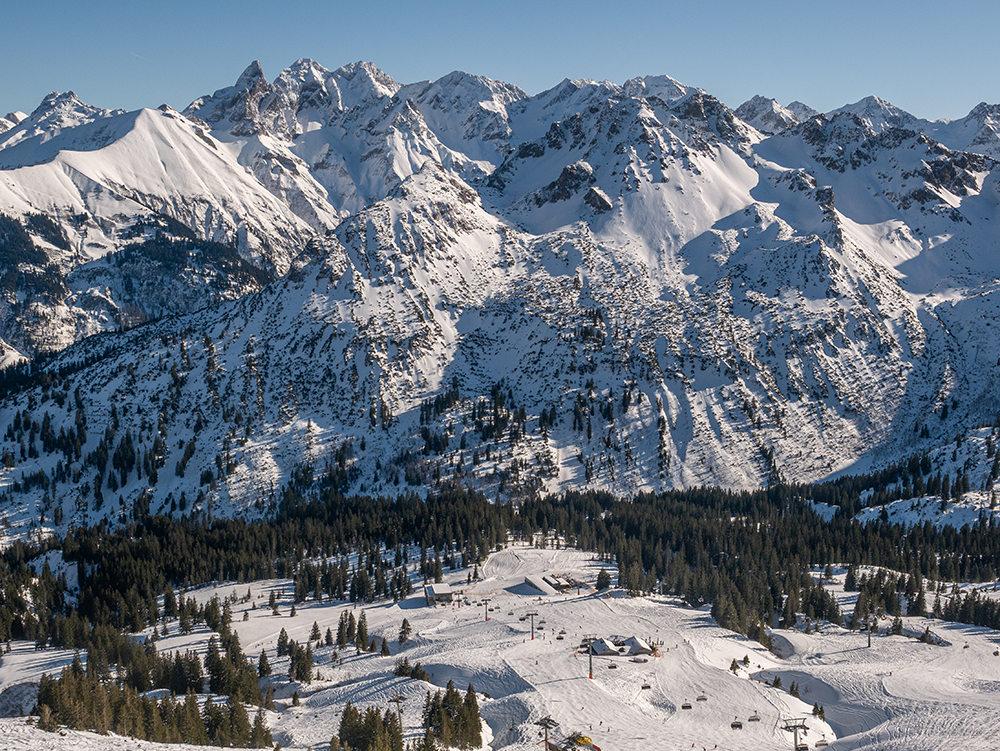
794, 726
532, 615
548, 724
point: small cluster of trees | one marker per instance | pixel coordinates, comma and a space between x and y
81, 700
300, 659
454, 720
370, 730
449, 720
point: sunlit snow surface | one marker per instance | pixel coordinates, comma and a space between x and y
899, 694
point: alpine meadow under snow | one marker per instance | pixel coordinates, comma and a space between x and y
445, 286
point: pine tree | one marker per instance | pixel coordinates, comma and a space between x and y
239, 724
404, 632
260, 735
263, 665
603, 579
471, 722
385, 648
342, 640
361, 636
315, 635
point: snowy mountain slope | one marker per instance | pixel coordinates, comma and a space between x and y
98, 175
978, 132
627, 286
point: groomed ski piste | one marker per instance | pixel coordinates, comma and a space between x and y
897, 694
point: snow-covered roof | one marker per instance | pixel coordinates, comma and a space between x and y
539, 583
603, 647
439, 589
637, 646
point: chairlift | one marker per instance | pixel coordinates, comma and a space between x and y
702, 698
736, 725
686, 705
822, 742
559, 638
646, 686
612, 666
754, 718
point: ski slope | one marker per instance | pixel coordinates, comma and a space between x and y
899, 694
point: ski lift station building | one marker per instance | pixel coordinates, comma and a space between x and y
438, 593
636, 646
603, 647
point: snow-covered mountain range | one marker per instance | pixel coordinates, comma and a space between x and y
629, 286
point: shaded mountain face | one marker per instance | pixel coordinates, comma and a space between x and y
624, 286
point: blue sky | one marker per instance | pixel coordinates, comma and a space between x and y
932, 59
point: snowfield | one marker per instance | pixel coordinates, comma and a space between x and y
899, 694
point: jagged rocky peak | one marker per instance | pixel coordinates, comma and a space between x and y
877, 113
366, 81
766, 115
250, 77
307, 84
65, 110
662, 87
253, 106
576, 94
982, 112
236, 106
460, 91
802, 111
11, 120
